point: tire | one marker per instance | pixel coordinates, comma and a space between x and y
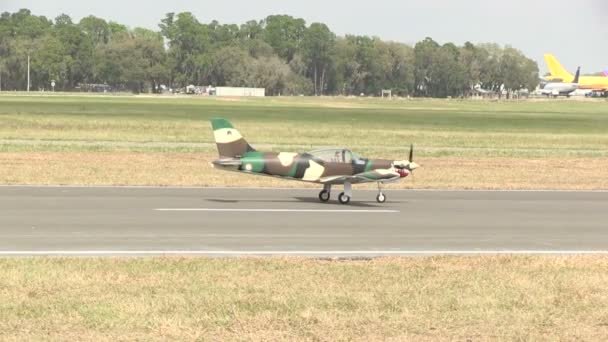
381, 198
343, 198
324, 196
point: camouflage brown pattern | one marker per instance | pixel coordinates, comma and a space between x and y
331, 166
230, 143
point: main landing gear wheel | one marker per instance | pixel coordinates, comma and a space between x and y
343, 198
324, 195
381, 198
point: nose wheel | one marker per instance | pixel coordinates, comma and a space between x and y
345, 196
381, 198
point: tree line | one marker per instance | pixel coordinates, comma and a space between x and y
280, 53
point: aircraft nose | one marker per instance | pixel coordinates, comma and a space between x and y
403, 172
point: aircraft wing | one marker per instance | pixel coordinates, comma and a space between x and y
364, 177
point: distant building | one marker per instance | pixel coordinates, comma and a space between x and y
237, 91
93, 88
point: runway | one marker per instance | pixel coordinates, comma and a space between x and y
223, 221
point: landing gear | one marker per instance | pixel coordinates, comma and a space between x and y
345, 196
325, 193
381, 198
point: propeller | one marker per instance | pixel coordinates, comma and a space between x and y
406, 167
411, 153
412, 165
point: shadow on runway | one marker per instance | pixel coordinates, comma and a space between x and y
333, 203
336, 203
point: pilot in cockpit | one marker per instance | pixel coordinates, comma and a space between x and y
337, 157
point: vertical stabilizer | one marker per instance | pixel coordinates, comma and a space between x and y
556, 69
578, 73
230, 142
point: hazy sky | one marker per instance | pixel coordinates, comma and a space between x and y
575, 31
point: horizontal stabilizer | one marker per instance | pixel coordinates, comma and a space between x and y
227, 162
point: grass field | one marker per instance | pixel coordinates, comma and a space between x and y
168, 141
435, 298
542, 137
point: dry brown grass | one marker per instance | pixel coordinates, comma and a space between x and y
190, 169
272, 299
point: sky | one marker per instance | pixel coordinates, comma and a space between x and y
576, 32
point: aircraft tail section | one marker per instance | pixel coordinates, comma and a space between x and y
578, 73
556, 69
230, 142
605, 73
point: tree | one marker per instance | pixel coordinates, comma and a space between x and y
447, 77
117, 31
280, 53
490, 75
50, 63
77, 49
149, 47
357, 68
96, 28
136, 61
230, 66
270, 73
424, 53
188, 44
251, 30
317, 49
20, 35
284, 33
396, 67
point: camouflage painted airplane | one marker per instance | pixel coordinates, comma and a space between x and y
328, 167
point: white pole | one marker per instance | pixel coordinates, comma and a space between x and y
28, 73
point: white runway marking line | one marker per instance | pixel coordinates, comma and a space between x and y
307, 253
282, 210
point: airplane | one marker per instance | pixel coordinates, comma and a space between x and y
560, 74
556, 89
605, 73
328, 167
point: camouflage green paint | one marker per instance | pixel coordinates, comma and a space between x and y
230, 143
253, 162
332, 166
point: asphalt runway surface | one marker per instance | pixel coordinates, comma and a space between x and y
221, 221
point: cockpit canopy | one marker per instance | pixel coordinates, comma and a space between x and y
336, 155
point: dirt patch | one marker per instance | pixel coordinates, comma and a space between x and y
193, 169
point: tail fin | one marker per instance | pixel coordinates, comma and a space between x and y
578, 73
230, 142
605, 73
556, 69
